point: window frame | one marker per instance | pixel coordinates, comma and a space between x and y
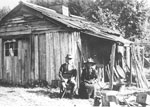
11, 48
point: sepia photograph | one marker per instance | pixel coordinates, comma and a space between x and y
74, 53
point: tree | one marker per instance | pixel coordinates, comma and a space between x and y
127, 16
40, 2
93, 11
4, 11
48, 3
132, 20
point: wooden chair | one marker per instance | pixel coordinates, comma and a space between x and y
63, 92
68, 86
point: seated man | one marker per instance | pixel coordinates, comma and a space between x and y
88, 80
68, 75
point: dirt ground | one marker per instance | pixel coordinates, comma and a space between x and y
13, 96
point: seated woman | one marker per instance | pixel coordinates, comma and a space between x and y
88, 80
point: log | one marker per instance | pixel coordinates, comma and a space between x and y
141, 79
112, 61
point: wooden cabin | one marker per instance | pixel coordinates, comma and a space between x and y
35, 40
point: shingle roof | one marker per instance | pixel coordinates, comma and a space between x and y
70, 21
78, 23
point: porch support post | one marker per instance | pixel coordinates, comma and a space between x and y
112, 63
130, 66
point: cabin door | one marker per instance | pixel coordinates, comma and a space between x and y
16, 61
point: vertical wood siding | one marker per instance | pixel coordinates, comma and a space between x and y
36, 68
50, 52
40, 55
41, 58
1, 58
17, 68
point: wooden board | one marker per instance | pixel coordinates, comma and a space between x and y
23, 54
15, 33
36, 57
47, 57
20, 65
49, 53
56, 54
42, 56
1, 58
31, 57
112, 63
120, 71
51, 48
13, 28
62, 47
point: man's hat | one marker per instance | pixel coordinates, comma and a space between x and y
90, 60
68, 56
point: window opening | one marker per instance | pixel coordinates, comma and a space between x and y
11, 48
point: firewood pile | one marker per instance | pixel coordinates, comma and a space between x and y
126, 97
137, 67
130, 94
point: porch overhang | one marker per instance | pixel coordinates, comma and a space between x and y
118, 39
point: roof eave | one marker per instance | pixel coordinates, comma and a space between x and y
114, 39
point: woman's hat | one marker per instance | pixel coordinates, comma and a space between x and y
68, 56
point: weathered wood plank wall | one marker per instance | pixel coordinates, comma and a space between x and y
36, 48
17, 68
1, 53
20, 77
42, 57
23, 24
39, 55
50, 52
